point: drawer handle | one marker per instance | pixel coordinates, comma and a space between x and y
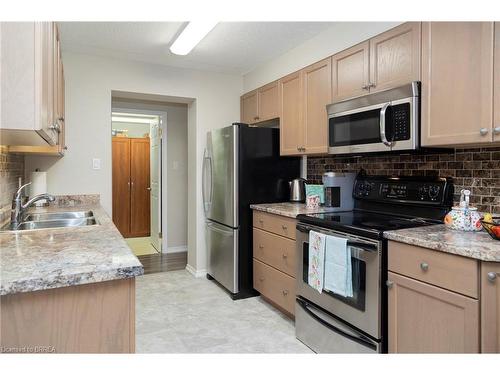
261, 246
424, 266
284, 256
492, 276
285, 292
284, 227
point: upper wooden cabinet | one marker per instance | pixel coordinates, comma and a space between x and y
261, 104
303, 116
457, 83
496, 90
395, 57
490, 307
388, 60
291, 112
350, 72
32, 86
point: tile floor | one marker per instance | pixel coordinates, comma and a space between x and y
177, 313
141, 245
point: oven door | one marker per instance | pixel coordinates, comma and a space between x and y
387, 126
363, 309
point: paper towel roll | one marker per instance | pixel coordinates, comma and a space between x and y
38, 186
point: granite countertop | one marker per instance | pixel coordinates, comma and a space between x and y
290, 209
59, 257
477, 245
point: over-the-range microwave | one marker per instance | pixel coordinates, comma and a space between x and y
384, 121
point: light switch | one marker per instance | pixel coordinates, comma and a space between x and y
96, 163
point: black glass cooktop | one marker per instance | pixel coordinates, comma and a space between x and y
363, 223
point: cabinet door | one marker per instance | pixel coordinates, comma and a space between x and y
395, 57
457, 83
140, 197
496, 90
490, 307
268, 102
121, 184
291, 125
350, 69
427, 319
317, 95
249, 108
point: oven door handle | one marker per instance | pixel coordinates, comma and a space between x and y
383, 136
363, 246
312, 311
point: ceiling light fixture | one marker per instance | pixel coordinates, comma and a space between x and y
193, 33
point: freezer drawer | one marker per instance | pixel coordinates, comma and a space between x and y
324, 333
222, 244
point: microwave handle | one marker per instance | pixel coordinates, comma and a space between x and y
383, 137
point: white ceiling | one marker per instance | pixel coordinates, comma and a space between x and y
231, 47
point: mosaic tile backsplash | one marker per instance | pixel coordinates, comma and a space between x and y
11, 168
477, 169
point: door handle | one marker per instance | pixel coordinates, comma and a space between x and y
148, 188
383, 137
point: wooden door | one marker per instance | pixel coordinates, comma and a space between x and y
496, 89
121, 184
249, 108
350, 69
457, 83
490, 307
317, 95
291, 107
395, 57
427, 319
140, 185
268, 102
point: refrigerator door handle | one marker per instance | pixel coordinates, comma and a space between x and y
207, 162
217, 228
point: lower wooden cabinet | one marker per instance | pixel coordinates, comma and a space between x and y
490, 307
426, 319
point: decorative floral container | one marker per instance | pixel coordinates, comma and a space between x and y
464, 219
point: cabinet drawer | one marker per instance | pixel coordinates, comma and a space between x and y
281, 225
448, 271
275, 285
274, 250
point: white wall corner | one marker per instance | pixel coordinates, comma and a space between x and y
196, 273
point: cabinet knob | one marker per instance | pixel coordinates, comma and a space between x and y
424, 266
261, 221
298, 148
261, 246
372, 85
284, 256
261, 278
496, 130
492, 276
365, 87
285, 292
389, 284
284, 227
55, 127
483, 131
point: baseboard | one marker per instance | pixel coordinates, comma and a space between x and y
176, 249
194, 272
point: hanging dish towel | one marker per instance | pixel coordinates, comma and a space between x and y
338, 269
316, 260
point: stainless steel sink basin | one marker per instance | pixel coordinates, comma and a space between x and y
60, 223
58, 215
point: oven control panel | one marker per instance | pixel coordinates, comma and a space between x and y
404, 190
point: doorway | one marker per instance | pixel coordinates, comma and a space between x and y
136, 179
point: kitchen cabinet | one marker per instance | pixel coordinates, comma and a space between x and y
131, 186
395, 57
32, 85
260, 105
490, 307
457, 83
350, 72
274, 259
249, 107
291, 112
496, 87
303, 117
427, 319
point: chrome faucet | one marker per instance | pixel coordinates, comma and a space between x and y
18, 208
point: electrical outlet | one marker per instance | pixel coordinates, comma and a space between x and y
96, 164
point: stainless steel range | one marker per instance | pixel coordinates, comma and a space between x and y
330, 323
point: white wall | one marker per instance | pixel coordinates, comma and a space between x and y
335, 39
134, 130
89, 82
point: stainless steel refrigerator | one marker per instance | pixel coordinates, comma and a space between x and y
241, 166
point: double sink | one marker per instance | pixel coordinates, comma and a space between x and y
55, 220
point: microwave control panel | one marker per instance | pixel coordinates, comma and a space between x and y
400, 121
